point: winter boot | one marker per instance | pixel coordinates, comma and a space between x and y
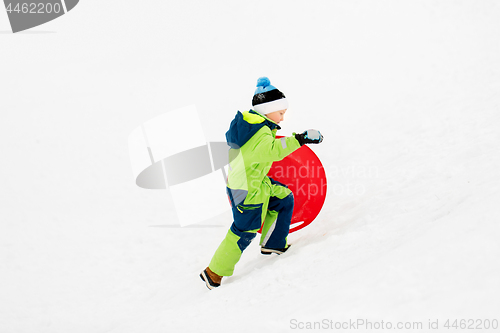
211, 279
268, 251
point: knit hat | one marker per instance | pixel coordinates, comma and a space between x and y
267, 98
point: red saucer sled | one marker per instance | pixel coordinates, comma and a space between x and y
304, 174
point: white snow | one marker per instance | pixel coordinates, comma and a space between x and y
406, 93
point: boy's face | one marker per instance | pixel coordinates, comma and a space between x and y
277, 116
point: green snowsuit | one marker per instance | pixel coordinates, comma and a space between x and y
256, 199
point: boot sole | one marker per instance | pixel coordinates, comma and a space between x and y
270, 251
210, 284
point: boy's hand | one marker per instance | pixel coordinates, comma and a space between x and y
309, 136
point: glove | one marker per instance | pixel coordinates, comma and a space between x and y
309, 136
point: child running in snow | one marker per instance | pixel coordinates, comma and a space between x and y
256, 199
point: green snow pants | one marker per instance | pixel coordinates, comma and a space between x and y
274, 214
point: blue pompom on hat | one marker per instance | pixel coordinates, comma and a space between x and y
263, 82
268, 98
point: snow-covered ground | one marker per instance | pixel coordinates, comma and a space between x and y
406, 93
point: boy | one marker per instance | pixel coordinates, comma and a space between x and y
256, 199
